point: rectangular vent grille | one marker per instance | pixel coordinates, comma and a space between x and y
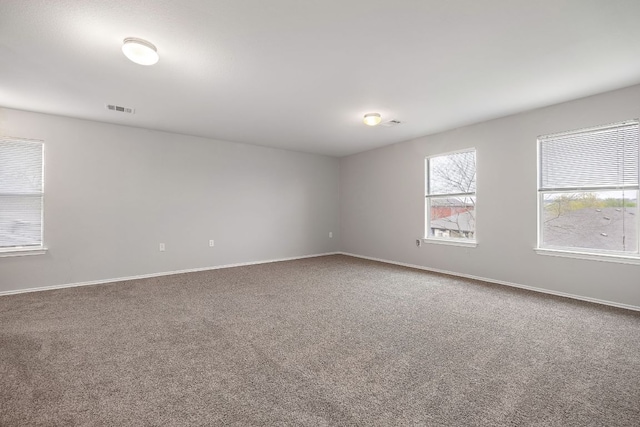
120, 109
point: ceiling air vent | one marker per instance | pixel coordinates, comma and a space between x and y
121, 109
391, 123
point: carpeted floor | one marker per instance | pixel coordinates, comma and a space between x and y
315, 342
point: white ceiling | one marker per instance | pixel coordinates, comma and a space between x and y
300, 74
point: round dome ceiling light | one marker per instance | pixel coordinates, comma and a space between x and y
372, 119
140, 51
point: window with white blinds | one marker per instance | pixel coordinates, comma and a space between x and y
588, 190
21, 194
451, 196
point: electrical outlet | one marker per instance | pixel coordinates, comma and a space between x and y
330, 234
211, 243
161, 247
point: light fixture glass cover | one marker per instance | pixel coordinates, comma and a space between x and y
372, 119
140, 51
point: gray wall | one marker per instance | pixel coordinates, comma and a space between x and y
382, 202
113, 193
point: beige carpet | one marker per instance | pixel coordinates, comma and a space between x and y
322, 341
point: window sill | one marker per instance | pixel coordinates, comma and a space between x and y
590, 256
22, 252
471, 244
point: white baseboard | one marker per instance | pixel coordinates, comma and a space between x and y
419, 267
164, 273
500, 282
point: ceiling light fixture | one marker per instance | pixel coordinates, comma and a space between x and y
372, 119
140, 51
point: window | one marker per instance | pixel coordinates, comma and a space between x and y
21, 194
588, 190
451, 196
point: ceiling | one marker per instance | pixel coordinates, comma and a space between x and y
300, 75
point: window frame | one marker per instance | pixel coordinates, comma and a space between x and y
452, 241
578, 252
9, 251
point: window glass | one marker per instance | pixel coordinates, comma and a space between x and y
451, 196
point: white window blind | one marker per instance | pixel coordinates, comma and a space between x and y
21, 193
603, 157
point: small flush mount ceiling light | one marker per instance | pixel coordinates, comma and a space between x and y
140, 51
372, 119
